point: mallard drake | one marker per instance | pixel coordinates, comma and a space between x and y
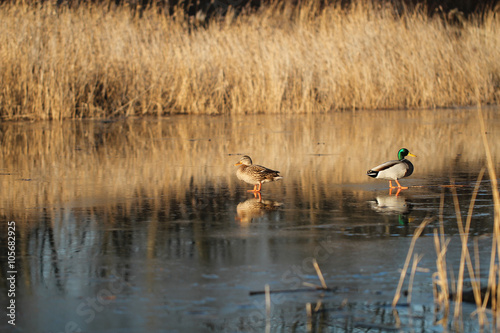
394, 170
255, 174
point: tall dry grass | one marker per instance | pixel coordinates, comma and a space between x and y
91, 61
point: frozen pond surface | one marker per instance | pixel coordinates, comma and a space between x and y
142, 225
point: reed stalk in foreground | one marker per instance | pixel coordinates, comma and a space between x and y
418, 232
493, 278
91, 61
482, 296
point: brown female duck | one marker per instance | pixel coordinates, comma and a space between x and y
255, 174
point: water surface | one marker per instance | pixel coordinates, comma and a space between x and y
142, 225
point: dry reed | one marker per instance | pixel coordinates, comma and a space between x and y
418, 232
441, 284
494, 273
91, 61
268, 308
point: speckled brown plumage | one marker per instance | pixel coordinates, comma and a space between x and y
255, 174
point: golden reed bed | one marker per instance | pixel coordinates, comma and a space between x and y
92, 61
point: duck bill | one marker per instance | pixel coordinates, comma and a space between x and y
239, 163
410, 154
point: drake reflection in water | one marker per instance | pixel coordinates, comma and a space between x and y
393, 205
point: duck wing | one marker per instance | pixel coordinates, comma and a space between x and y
392, 170
262, 173
384, 166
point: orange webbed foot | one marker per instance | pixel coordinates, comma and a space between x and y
401, 187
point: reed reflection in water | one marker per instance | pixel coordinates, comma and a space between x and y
147, 217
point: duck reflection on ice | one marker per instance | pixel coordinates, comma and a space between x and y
255, 207
393, 205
